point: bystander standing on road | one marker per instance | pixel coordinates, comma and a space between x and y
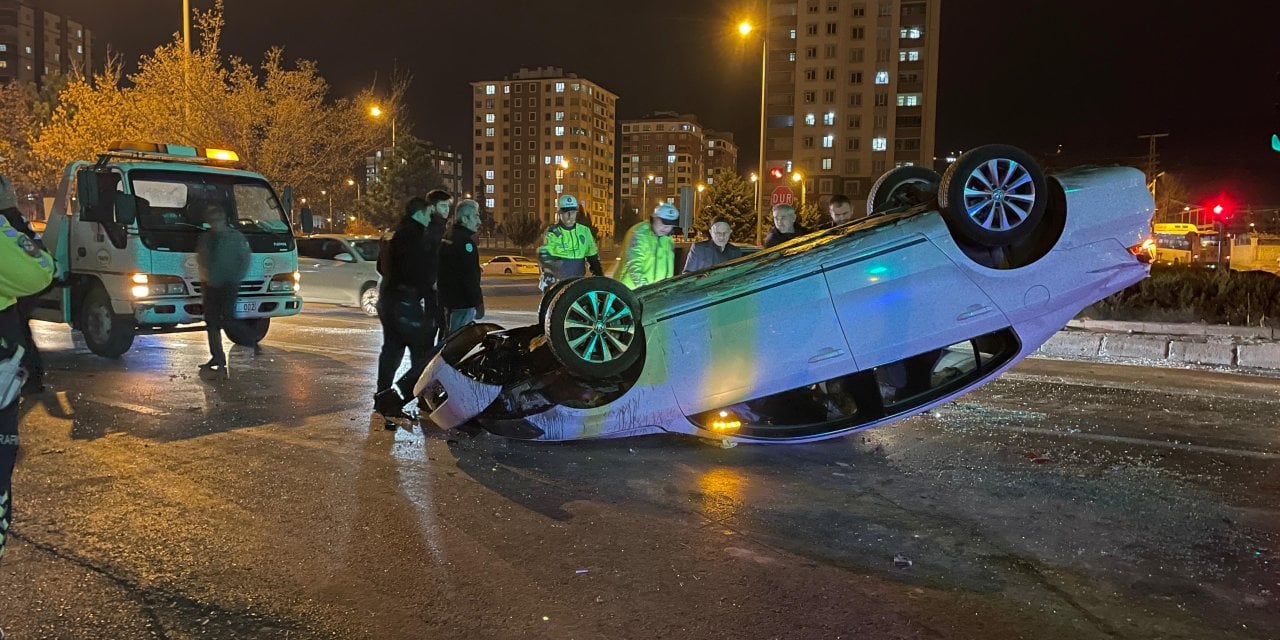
709, 253
785, 226
25, 269
568, 249
841, 210
31, 360
459, 281
222, 255
648, 253
408, 307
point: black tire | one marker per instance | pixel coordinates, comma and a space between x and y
368, 299
593, 328
994, 195
901, 188
507, 271
248, 332
106, 332
547, 297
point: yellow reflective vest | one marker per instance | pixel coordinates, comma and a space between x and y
646, 257
25, 268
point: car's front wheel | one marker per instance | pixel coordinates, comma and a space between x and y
994, 195
106, 333
901, 188
248, 332
369, 299
593, 327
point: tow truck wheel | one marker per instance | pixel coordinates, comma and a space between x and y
593, 328
107, 333
248, 332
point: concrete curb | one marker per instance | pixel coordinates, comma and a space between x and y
1218, 351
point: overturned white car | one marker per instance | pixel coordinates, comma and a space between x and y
949, 282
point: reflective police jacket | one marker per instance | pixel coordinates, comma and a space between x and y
646, 257
25, 268
570, 247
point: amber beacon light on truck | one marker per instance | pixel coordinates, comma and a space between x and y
177, 152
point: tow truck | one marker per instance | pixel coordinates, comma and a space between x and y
123, 233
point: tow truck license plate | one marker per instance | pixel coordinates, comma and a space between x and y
246, 307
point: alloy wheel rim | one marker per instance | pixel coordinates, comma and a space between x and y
999, 194
599, 327
369, 301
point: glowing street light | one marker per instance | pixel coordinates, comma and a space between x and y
376, 112
797, 177
744, 28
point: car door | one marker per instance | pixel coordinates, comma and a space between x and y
905, 298
315, 263
771, 337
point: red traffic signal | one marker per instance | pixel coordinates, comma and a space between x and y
776, 173
1218, 209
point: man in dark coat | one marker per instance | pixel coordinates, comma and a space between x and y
408, 307
222, 254
785, 226
709, 253
459, 282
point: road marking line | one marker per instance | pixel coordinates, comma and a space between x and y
1163, 444
136, 408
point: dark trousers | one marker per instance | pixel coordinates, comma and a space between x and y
31, 360
395, 342
219, 311
8, 457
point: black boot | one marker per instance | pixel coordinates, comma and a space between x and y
390, 405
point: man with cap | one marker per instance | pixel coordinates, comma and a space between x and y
709, 253
568, 249
649, 254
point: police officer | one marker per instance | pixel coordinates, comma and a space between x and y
25, 269
568, 249
649, 253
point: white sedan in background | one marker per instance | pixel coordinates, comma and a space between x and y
340, 269
510, 265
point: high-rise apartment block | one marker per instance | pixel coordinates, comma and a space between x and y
539, 133
35, 43
851, 91
664, 151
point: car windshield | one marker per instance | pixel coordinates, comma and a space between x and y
368, 249
168, 219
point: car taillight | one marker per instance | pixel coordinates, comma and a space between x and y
1145, 252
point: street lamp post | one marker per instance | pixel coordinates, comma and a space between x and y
745, 28
377, 112
644, 192
797, 177
701, 187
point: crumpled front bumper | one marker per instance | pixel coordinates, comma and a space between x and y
448, 397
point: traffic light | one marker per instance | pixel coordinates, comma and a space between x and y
1218, 209
776, 173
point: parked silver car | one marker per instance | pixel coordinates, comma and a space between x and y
340, 269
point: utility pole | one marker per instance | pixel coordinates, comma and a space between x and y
1152, 159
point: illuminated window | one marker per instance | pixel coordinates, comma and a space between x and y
559, 87
879, 143
489, 118
909, 33
828, 141
488, 175
792, 34
671, 148
882, 77
791, 56
809, 120
559, 116
488, 202
829, 118
4, 47
488, 188
488, 132
489, 89
908, 99
826, 164
671, 159
909, 55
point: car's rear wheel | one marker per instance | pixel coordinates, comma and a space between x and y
369, 299
593, 327
994, 195
547, 297
902, 188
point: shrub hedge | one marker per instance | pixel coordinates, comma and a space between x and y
1190, 294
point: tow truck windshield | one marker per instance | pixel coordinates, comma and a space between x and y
167, 218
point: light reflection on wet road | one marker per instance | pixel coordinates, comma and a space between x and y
1066, 500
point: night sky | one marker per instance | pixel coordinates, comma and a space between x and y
1090, 75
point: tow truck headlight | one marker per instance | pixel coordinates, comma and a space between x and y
284, 282
151, 285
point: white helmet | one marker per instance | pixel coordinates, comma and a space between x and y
567, 201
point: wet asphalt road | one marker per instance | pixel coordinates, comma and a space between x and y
1065, 500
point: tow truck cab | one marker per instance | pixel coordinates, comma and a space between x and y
123, 232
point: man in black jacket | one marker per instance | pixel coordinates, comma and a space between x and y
408, 307
459, 282
785, 226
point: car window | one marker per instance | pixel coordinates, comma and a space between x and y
368, 249
500, 259
321, 248
309, 247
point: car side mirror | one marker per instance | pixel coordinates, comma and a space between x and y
344, 257
126, 206
308, 221
96, 191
